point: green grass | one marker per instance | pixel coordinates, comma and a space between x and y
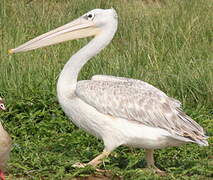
168, 45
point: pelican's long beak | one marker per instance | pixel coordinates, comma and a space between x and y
76, 29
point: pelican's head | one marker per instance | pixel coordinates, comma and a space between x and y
90, 24
2, 106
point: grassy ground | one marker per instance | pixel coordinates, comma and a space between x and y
168, 45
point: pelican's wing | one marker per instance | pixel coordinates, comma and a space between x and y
123, 79
141, 102
110, 78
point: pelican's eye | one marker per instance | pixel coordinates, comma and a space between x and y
90, 16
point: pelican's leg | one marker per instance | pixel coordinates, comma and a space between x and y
96, 161
149, 154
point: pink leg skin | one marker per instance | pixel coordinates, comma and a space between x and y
2, 176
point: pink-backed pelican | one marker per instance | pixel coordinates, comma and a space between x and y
118, 110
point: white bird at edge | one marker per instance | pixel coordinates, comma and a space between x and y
120, 111
5, 144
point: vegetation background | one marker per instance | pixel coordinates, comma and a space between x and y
167, 44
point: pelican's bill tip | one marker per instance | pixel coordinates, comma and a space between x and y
10, 51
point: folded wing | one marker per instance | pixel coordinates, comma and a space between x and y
139, 102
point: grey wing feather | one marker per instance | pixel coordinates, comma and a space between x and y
109, 78
135, 82
123, 79
141, 102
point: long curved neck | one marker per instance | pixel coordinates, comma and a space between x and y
68, 77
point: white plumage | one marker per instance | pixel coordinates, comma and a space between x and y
140, 103
118, 110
